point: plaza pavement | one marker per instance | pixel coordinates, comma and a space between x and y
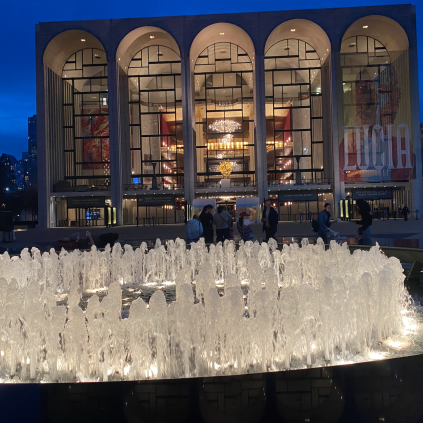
398, 229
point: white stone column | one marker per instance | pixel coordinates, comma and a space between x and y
416, 184
260, 127
43, 165
188, 126
336, 114
114, 140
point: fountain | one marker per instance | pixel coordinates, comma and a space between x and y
178, 312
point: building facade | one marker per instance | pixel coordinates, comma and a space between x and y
141, 118
30, 167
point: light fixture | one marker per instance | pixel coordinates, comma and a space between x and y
151, 36
83, 40
222, 33
365, 26
225, 126
293, 30
227, 139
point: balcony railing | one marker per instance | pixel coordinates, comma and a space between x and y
315, 181
145, 187
234, 184
64, 186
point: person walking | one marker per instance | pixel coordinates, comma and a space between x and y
194, 229
365, 231
244, 228
206, 219
405, 211
270, 219
324, 223
222, 221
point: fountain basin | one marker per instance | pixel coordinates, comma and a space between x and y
174, 312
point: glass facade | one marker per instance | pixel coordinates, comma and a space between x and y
86, 119
376, 144
155, 118
294, 135
224, 115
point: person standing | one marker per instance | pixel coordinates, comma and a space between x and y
244, 228
405, 211
206, 219
324, 222
222, 221
270, 219
365, 231
194, 229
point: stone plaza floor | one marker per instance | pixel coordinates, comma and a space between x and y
391, 232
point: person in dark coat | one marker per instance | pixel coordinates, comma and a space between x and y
365, 231
206, 219
324, 223
270, 219
405, 211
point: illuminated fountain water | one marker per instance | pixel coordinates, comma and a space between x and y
235, 310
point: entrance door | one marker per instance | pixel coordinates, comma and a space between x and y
229, 207
82, 216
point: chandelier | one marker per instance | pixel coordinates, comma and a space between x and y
227, 139
225, 126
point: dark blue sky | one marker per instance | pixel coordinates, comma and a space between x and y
17, 43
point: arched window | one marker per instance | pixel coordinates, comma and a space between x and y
155, 117
294, 138
86, 118
224, 114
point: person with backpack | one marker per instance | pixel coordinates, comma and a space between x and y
194, 229
244, 228
222, 220
324, 223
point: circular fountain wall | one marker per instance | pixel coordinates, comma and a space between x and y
174, 312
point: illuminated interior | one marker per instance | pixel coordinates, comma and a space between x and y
224, 113
294, 136
86, 118
155, 117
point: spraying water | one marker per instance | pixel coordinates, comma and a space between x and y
251, 309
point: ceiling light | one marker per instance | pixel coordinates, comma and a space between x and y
292, 30
365, 26
225, 126
222, 33
83, 39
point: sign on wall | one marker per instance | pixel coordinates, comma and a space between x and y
156, 200
376, 140
85, 202
372, 194
296, 197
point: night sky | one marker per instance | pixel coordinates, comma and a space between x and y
17, 43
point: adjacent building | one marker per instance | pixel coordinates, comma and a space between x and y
153, 117
30, 168
9, 173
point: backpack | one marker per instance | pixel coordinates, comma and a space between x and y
315, 225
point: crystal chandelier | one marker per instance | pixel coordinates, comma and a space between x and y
227, 139
225, 126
